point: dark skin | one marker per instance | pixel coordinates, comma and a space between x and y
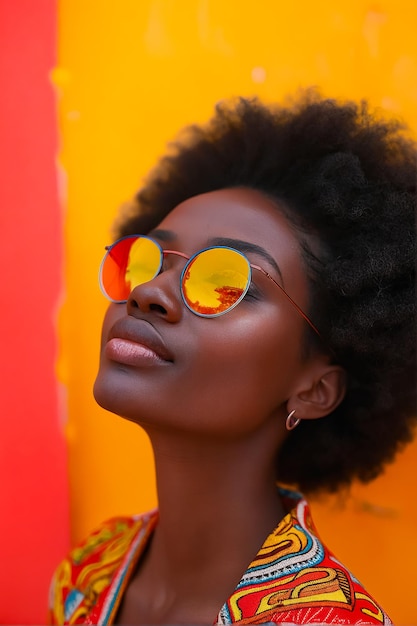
214, 402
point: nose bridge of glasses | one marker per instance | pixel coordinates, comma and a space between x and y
172, 265
176, 252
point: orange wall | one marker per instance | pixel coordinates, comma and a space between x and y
129, 76
34, 520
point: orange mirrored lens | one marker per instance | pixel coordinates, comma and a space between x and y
215, 280
132, 261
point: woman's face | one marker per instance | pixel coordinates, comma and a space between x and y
163, 366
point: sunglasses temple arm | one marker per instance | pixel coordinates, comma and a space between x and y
294, 304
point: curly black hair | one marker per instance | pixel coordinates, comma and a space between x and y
347, 180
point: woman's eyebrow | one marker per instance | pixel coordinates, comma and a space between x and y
163, 235
245, 247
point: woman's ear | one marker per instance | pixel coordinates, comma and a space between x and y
319, 392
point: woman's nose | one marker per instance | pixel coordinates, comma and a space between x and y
160, 296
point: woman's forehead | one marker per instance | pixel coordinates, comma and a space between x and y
238, 213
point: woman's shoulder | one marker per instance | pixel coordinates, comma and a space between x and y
85, 575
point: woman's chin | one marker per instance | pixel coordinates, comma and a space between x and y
120, 400
107, 395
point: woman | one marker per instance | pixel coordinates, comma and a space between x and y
261, 331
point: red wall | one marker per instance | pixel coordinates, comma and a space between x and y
33, 466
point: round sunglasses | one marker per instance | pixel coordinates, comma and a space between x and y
213, 281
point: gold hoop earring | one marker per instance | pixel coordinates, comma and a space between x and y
292, 422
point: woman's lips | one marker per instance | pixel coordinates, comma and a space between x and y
130, 353
136, 342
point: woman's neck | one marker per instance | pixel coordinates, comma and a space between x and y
217, 502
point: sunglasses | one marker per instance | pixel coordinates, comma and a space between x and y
213, 281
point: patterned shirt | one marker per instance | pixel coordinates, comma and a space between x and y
293, 579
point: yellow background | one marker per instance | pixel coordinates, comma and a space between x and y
130, 74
